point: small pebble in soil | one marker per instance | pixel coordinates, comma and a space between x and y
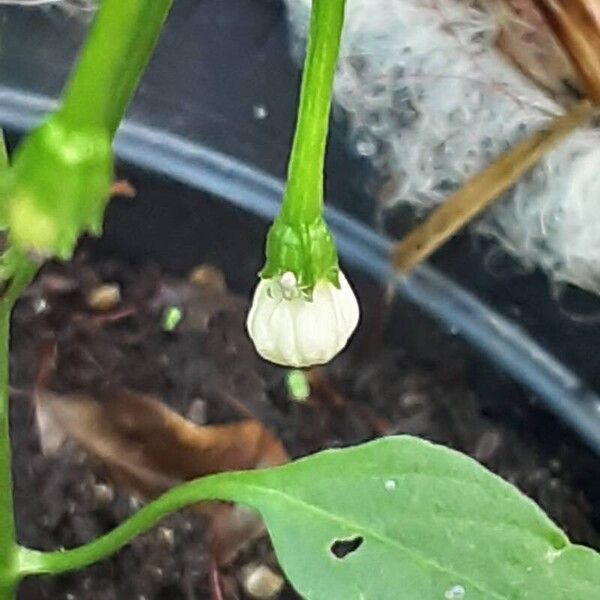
40, 305
487, 445
166, 536
260, 582
104, 297
103, 494
198, 412
134, 503
555, 465
208, 276
456, 592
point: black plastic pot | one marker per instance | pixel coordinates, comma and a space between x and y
215, 113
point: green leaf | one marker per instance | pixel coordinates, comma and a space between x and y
413, 521
395, 519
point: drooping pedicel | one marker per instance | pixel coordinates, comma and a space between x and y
304, 310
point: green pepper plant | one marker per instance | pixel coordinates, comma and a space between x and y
394, 519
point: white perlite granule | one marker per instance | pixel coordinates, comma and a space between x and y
431, 101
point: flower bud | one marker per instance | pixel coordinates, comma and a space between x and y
291, 328
57, 188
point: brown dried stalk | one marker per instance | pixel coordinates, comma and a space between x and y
527, 39
576, 23
146, 445
478, 193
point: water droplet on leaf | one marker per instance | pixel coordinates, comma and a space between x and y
456, 592
390, 485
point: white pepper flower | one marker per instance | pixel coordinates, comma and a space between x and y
292, 328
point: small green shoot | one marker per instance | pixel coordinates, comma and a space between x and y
297, 385
171, 318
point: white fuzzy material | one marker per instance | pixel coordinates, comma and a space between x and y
69, 5
431, 101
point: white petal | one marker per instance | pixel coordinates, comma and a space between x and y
293, 331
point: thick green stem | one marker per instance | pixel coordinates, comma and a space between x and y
8, 547
116, 53
225, 486
303, 200
8, 590
118, 48
8, 544
9, 573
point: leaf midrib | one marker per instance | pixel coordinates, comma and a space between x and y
360, 529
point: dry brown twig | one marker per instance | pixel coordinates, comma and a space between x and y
483, 189
527, 40
576, 24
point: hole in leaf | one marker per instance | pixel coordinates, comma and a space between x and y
342, 548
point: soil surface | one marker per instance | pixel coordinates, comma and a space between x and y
429, 385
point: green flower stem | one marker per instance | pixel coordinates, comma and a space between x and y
303, 199
225, 486
299, 240
8, 545
118, 48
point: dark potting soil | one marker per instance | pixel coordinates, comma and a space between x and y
429, 385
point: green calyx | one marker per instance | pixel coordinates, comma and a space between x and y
57, 188
305, 249
299, 240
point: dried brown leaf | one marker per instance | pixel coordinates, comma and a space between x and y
150, 448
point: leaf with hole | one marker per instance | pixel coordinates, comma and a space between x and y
403, 519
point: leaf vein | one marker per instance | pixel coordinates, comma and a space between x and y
361, 529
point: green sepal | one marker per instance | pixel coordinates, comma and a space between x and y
305, 249
57, 188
